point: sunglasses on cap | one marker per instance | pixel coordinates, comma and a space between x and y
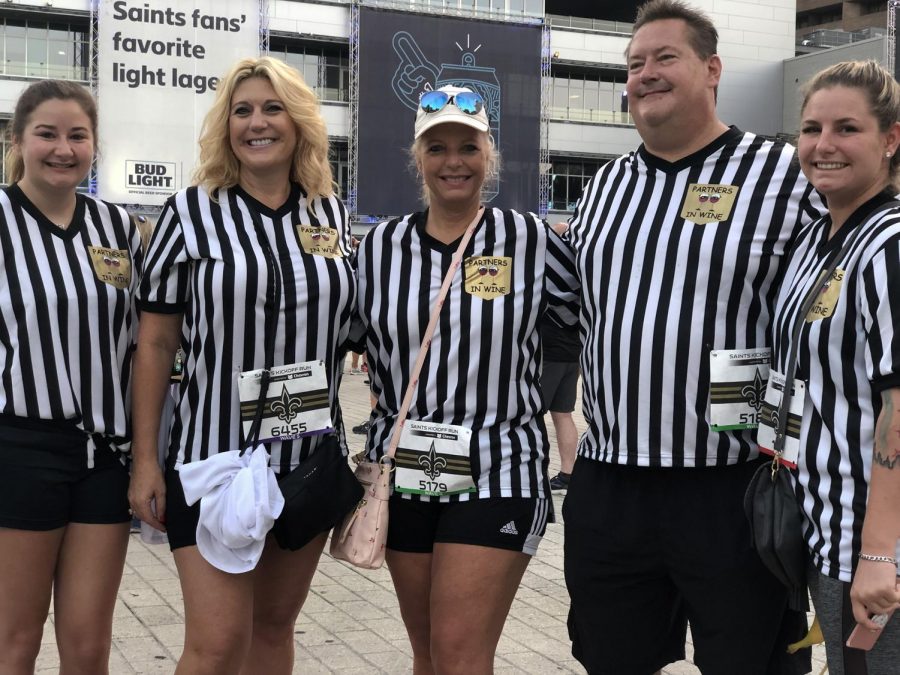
466, 101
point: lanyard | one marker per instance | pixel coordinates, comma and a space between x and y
270, 311
429, 333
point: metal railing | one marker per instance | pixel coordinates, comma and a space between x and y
582, 23
12, 68
591, 115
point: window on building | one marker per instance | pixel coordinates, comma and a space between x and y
338, 157
325, 68
568, 176
36, 48
872, 7
4, 146
588, 96
819, 17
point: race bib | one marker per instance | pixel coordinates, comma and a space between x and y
737, 387
768, 419
487, 277
708, 203
111, 265
433, 459
296, 402
322, 241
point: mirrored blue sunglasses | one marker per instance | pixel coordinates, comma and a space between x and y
467, 101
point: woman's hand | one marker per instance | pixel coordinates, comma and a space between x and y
874, 591
147, 494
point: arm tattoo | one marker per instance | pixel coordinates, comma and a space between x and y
885, 455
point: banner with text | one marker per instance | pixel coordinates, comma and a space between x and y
159, 65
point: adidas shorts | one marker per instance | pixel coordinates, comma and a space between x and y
513, 523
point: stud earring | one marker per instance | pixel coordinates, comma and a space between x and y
888, 154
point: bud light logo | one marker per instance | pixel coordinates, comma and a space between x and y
145, 177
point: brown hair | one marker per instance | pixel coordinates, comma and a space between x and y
702, 34
219, 168
33, 96
880, 89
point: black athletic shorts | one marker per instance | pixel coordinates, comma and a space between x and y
180, 519
559, 384
649, 549
45, 482
515, 524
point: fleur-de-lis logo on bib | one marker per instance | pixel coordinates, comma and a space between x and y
431, 463
287, 407
755, 392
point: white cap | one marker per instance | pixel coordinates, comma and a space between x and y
450, 113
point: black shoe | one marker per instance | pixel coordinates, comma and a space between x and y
363, 428
560, 481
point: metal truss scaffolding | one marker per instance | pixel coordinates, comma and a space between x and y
264, 27
93, 75
891, 42
353, 135
544, 158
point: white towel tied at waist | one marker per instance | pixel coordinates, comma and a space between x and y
239, 502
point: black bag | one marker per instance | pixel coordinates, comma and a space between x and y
322, 489
776, 529
317, 496
770, 504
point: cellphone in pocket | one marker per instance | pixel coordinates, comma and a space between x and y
865, 638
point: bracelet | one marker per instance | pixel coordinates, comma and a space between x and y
878, 558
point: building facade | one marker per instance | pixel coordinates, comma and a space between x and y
846, 15
586, 122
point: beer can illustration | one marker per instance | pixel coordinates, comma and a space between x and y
485, 82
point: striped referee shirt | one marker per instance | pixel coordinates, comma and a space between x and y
848, 352
67, 316
207, 259
482, 369
675, 260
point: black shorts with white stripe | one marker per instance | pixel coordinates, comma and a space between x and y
511, 523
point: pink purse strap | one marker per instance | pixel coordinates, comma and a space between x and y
429, 333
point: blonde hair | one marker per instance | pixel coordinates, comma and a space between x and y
144, 227
491, 158
29, 100
877, 85
219, 168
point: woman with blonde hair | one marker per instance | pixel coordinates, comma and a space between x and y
471, 495
845, 333
69, 266
258, 248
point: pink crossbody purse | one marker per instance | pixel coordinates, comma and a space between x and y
360, 539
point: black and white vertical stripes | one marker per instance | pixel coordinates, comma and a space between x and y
206, 259
482, 369
660, 290
66, 334
846, 358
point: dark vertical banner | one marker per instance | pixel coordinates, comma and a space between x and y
403, 54
896, 61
